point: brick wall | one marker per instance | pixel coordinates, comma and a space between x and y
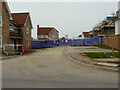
54, 33
26, 36
5, 25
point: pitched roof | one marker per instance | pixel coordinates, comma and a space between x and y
43, 39
63, 38
85, 34
20, 18
91, 32
45, 30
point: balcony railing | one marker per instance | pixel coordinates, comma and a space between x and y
15, 35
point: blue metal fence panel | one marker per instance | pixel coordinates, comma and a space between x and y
65, 43
79, 42
92, 41
35, 44
49, 44
101, 39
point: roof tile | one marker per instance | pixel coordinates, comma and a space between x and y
20, 18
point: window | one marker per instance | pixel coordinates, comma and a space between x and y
11, 41
46, 36
42, 36
27, 30
27, 42
0, 41
53, 36
0, 20
12, 27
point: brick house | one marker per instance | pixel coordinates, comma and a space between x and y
47, 33
90, 35
85, 35
15, 28
5, 17
63, 38
96, 30
108, 29
21, 34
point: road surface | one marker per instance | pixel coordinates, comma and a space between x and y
51, 68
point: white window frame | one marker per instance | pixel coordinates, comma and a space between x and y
53, 36
12, 27
1, 41
41, 36
46, 36
1, 20
27, 30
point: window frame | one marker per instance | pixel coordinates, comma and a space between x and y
1, 41
28, 42
12, 27
46, 36
41, 36
53, 36
1, 20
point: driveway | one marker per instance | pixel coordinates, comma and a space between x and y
51, 68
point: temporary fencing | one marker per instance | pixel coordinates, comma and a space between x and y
49, 44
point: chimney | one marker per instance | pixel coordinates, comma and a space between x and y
37, 29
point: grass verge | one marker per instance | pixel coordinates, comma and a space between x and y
105, 47
32, 51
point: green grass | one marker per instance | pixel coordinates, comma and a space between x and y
102, 55
32, 51
116, 54
96, 55
105, 47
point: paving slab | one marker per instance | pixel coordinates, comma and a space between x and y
107, 64
106, 59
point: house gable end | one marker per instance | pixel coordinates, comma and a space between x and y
28, 19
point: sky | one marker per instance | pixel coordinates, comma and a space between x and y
69, 18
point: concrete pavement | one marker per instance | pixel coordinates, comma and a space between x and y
51, 68
76, 54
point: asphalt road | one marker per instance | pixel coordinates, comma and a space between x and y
51, 68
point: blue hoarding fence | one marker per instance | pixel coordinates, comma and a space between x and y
49, 44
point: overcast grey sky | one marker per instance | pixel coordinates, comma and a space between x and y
70, 18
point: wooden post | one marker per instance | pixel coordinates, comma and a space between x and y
113, 46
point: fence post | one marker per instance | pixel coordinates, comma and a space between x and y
113, 46
100, 40
85, 41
